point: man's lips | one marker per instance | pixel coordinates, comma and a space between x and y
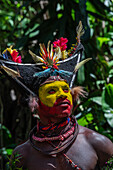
64, 103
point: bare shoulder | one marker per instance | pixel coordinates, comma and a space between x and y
23, 148
97, 140
19, 154
101, 144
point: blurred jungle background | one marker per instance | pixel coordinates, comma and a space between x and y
27, 23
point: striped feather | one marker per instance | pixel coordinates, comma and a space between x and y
80, 31
51, 52
57, 54
42, 49
48, 45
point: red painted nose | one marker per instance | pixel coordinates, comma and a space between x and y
61, 101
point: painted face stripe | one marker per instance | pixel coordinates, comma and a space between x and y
59, 92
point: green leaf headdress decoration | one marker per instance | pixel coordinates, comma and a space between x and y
53, 61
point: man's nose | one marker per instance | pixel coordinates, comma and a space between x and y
61, 93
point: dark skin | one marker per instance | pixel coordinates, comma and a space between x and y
90, 150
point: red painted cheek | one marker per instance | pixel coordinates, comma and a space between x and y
58, 111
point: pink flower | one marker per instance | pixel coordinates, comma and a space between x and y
61, 43
15, 57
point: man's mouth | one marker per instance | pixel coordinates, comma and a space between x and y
63, 103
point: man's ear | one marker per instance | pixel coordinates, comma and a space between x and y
78, 92
33, 103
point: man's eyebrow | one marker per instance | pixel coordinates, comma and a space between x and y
49, 87
65, 86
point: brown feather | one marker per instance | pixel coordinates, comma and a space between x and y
78, 92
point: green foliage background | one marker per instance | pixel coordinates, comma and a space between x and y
27, 23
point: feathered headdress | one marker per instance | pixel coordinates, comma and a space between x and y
53, 61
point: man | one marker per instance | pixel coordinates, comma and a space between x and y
57, 141
87, 150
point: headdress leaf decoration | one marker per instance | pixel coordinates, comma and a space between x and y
77, 67
36, 58
51, 62
10, 72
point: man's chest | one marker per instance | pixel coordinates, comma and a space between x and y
81, 155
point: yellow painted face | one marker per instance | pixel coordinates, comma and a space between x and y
49, 93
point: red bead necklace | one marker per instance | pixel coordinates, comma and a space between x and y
57, 149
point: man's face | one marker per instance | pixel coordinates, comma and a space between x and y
55, 99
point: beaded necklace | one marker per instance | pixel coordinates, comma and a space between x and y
43, 131
70, 134
64, 122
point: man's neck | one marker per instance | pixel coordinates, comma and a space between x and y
46, 121
53, 128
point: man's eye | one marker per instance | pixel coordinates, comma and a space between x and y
52, 91
66, 90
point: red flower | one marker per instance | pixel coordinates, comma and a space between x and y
61, 43
15, 57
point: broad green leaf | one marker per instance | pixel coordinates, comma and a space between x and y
103, 40
34, 34
97, 100
101, 17
110, 63
9, 151
85, 120
107, 97
100, 82
90, 6
109, 117
99, 6
111, 72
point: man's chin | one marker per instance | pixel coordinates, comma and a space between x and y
58, 117
63, 114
